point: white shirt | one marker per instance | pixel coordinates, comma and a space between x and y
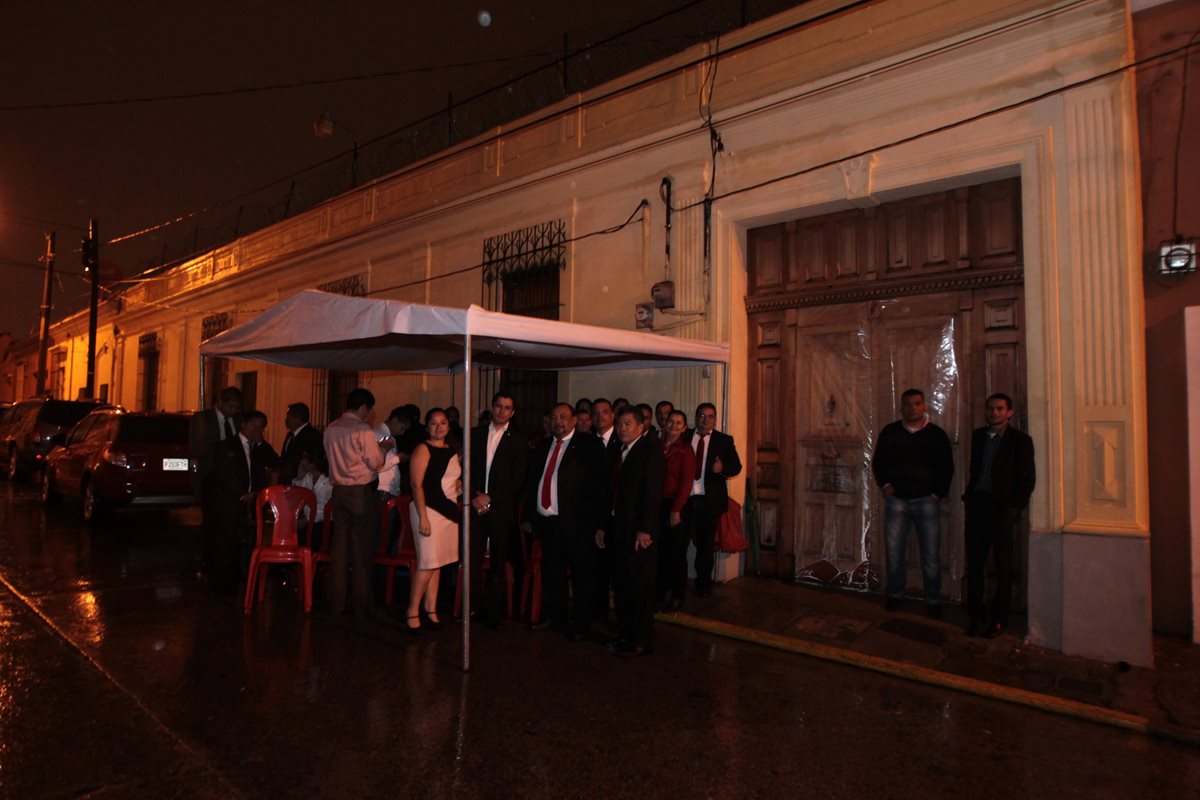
552, 511
249, 463
221, 423
493, 443
698, 484
604, 437
321, 487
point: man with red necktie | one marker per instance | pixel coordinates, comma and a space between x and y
716, 462
566, 504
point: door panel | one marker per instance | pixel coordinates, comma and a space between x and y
854, 361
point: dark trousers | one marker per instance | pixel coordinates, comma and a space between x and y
355, 536
990, 529
494, 534
228, 541
672, 557
701, 522
604, 581
564, 549
635, 573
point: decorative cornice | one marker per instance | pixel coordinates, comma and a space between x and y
880, 290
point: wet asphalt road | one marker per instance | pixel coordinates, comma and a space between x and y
122, 677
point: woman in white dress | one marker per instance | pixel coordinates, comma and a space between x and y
435, 474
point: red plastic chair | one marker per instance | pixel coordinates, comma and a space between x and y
532, 580
406, 552
284, 546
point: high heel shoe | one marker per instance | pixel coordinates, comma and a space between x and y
414, 631
431, 620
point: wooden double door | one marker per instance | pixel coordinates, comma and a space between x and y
846, 312
853, 362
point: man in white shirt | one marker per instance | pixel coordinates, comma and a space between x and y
498, 458
567, 503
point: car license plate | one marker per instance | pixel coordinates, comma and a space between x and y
175, 465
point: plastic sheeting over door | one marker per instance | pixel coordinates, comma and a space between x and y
853, 361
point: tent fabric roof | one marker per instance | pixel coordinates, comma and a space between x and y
328, 331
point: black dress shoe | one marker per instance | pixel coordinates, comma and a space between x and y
891, 603
934, 611
618, 646
993, 630
703, 591
675, 604
541, 625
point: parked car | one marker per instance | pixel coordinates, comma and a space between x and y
117, 458
32, 428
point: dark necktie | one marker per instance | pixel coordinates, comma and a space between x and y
700, 456
229, 434
550, 465
286, 441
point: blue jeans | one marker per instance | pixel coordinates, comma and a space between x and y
899, 515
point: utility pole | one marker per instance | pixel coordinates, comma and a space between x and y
91, 265
47, 293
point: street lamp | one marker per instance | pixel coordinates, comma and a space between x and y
324, 127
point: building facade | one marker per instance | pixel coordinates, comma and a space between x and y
929, 192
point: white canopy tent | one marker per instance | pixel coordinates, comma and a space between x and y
317, 330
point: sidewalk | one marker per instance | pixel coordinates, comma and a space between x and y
854, 629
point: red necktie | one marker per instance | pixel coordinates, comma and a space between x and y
700, 456
550, 475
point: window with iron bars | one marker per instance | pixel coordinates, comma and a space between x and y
147, 371
521, 275
330, 386
216, 370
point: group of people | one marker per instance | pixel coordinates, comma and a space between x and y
613, 492
612, 498
913, 465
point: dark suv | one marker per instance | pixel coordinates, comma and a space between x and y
32, 428
115, 458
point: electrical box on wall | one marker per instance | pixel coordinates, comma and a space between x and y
643, 315
663, 293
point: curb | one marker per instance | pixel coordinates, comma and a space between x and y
1043, 702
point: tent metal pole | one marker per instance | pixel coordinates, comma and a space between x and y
725, 397
201, 406
466, 506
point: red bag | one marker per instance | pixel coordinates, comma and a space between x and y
730, 538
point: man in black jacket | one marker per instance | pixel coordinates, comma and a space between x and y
639, 473
301, 438
913, 465
567, 503
207, 431
1001, 480
716, 462
239, 473
498, 456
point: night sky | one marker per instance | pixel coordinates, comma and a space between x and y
132, 165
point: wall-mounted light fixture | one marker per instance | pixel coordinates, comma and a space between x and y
1177, 256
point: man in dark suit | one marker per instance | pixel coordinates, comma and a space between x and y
498, 456
206, 431
1001, 480
639, 474
301, 438
239, 473
604, 428
716, 462
567, 504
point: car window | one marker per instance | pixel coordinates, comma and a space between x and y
64, 413
150, 430
81, 430
99, 432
